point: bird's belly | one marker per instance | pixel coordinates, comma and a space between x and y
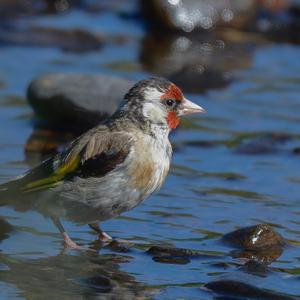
92, 200
98, 199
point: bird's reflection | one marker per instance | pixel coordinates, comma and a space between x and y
67, 276
70, 274
5, 229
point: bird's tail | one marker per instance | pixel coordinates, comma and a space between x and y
8, 192
3, 196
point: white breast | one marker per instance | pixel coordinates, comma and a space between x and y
150, 162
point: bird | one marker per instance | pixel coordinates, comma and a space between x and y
111, 168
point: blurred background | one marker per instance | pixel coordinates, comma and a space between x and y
64, 65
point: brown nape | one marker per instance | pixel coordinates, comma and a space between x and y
174, 92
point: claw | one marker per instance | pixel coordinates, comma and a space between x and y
69, 243
104, 237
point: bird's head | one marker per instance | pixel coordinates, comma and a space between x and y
158, 101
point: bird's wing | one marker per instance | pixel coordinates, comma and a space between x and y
94, 154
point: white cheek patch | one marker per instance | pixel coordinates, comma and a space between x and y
154, 112
152, 94
152, 108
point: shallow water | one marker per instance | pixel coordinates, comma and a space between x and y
233, 167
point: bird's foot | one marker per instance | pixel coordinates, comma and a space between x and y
104, 237
70, 244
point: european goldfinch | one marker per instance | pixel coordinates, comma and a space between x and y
112, 167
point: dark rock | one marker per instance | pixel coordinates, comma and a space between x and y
99, 283
191, 15
195, 80
119, 259
240, 291
277, 20
75, 40
177, 252
257, 237
171, 260
118, 247
220, 265
15, 8
296, 150
76, 100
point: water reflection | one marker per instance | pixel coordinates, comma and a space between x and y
71, 276
195, 62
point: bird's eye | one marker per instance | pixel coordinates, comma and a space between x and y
170, 102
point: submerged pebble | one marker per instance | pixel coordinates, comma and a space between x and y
171, 260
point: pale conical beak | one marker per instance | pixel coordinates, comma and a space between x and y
188, 107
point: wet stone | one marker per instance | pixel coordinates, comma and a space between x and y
257, 237
176, 252
76, 100
198, 14
220, 265
171, 260
10, 9
277, 20
118, 247
116, 258
75, 40
99, 283
296, 151
240, 291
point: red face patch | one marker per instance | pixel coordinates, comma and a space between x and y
173, 120
173, 92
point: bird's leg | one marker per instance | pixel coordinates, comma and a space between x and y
103, 236
68, 241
